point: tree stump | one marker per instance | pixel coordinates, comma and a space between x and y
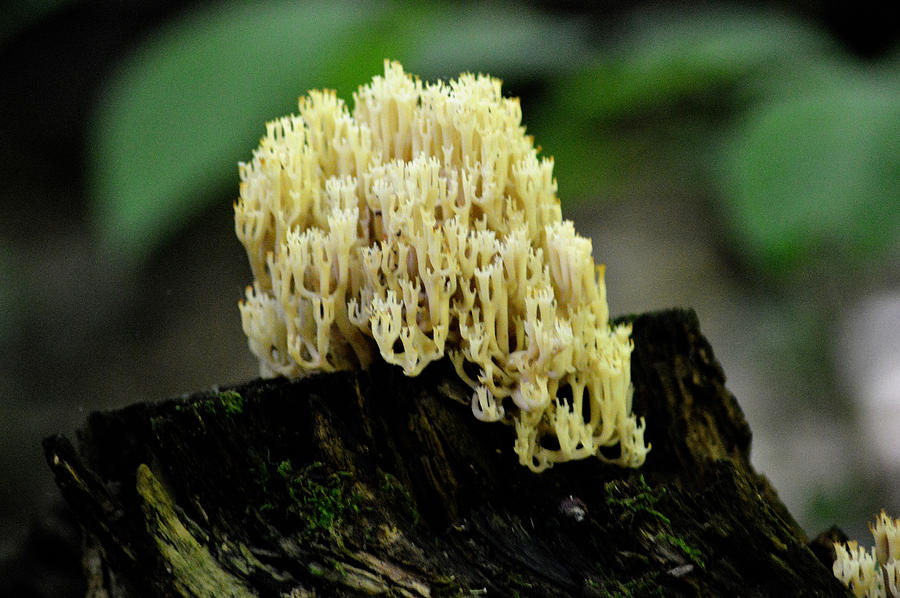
370, 483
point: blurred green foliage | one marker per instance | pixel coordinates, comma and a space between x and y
192, 101
800, 144
828, 505
675, 72
818, 173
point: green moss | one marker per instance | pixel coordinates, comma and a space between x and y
471, 592
692, 553
393, 487
642, 586
232, 402
229, 402
641, 503
321, 498
339, 568
157, 422
519, 582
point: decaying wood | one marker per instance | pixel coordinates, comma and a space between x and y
371, 483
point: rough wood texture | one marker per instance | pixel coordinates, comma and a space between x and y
371, 483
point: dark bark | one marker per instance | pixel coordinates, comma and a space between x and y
371, 483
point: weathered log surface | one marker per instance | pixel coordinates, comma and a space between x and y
371, 483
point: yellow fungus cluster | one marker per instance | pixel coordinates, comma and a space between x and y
423, 225
875, 573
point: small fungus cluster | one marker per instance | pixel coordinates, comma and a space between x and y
875, 573
423, 224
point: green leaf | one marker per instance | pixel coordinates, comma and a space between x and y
192, 100
189, 104
817, 174
505, 41
612, 120
670, 56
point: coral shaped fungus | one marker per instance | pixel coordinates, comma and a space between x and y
423, 224
875, 573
